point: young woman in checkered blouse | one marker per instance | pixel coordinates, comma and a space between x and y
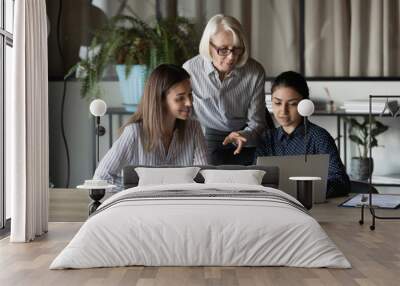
288, 89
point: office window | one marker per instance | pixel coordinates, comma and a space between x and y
9, 15
2, 195
7, 85
6, 64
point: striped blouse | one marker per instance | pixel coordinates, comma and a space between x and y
128, 149
235, 104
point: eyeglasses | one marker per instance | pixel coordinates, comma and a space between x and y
237, 51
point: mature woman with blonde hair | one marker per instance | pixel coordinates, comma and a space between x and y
160, 132
228, 92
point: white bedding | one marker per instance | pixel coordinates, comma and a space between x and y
183, 231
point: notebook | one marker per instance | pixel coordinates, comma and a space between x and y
292, 166
378, 200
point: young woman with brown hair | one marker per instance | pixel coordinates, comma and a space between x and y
161, 131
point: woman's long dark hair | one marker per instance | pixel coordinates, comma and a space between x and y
151, 110
293, 80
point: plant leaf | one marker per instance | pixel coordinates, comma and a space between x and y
356, 139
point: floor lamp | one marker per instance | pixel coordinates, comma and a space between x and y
305, 109
97, 188
305, 183
98, 108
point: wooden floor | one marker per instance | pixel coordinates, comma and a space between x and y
374, 255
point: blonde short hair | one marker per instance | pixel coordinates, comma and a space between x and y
227, 23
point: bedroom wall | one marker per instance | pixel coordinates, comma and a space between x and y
79, 128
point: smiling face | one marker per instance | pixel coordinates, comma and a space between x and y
223, 40
179, 100
284, 107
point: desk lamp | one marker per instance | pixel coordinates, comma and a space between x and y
98, 108
305, 109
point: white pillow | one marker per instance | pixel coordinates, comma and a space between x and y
248, 177
164, 176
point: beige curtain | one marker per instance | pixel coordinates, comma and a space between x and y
352, 38
275, 35
27, 124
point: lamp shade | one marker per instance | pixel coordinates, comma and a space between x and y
305, 107
98, 107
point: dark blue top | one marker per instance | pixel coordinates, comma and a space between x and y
278, 143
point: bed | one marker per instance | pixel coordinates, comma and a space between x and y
201, 224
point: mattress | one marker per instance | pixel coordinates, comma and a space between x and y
201, 225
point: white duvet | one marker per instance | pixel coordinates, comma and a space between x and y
183, 231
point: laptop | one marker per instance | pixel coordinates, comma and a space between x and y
290, 166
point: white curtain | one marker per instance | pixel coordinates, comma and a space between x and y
352, 38
27, 124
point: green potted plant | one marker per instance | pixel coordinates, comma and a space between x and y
362, 166
135, 48
125, 42
175, 40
